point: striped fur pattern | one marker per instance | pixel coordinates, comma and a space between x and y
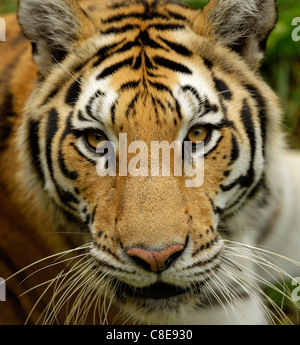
153, 69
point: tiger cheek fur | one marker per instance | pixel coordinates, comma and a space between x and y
126, 72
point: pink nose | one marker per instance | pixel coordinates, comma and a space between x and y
156, 260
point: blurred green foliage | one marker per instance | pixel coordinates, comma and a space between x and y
7, 6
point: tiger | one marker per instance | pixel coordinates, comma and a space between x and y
82, 246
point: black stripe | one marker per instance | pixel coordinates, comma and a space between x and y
222, 88
80, 116
177, 16
148, 63
118, 17
130, 85
127, 46
160, 87
145, 39
260, 102
34, 148
73, 93
138, 62
119, 30
138, 15
103, 52
178, 48
52, 128
88, 107
131, 104
72, 175
6, 112
248, 179
177, 108
215, 146
82, 155
260, 184
208, 63
117, 5
166, 27
204, 106
174, 66
239, 201
51, 95
93, 214
208, 107
235, 152
114, 68
194, 92
67, 197
113, 113
247, 120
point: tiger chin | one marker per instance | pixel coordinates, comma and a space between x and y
89, 237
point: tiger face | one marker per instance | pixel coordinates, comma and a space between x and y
155, 71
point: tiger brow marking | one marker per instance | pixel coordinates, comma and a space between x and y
103, 52
119, 17
178, 48
120, 30
130, 85
114, 68
166, 27
223, 89
174, 66
73, 93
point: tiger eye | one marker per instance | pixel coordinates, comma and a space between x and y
197, 133
94, 138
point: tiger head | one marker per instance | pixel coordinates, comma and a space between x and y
150, 71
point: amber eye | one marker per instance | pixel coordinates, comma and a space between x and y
198, 133
95, 137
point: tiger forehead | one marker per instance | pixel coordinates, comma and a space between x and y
137, 12
145, 78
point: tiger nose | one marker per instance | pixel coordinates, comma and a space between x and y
156, 260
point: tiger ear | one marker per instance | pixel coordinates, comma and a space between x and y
242, 25
53, 27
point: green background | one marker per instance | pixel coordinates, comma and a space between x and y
280, 68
